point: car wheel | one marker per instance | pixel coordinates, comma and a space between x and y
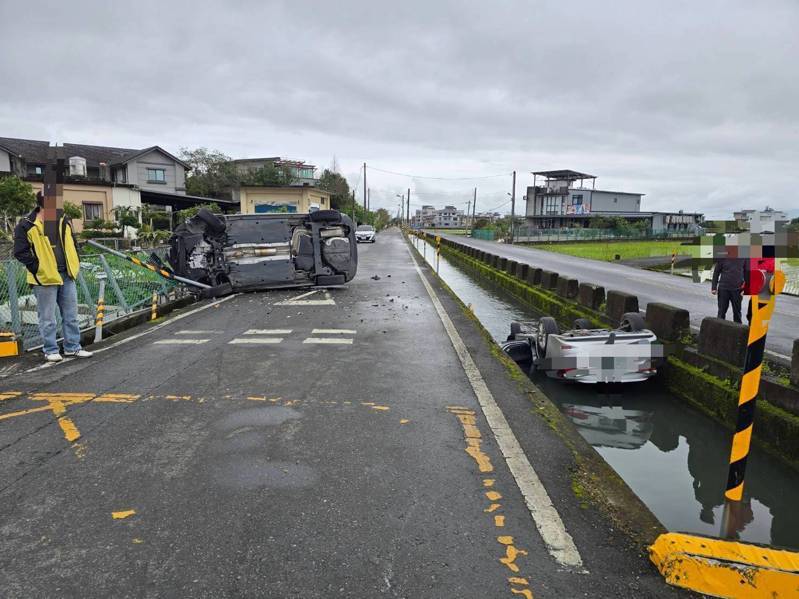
520, 352
214, 223
546, 326
515, 329
583, 323
631, 322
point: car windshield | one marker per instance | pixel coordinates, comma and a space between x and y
366, 228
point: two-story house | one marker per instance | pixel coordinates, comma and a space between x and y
99, 179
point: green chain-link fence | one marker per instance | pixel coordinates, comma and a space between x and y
128, 288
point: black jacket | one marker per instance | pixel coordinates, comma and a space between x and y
728, 274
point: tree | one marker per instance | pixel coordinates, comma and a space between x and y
72, 211
212, 173
794, 225
16, 198
381, 219
187, 213
269, 174
339, 190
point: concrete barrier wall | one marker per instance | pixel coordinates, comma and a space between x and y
723, 339
521, 271
795, 364
534, 275
590, 295
549, 279
667, 322
567, 287
618, 303
510, 267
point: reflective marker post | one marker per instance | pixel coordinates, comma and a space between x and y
438, 250
98, 321
770, 285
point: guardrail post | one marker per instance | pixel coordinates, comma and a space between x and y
13, 297
154, 308
114, 284
98, 321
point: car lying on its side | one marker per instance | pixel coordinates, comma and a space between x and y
365, 233
243, 252
586, 354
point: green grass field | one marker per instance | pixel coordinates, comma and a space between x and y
607, 250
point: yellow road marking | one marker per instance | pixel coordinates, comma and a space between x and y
492, 508
122, 515
499, 521
404, 421
138, 541
71, 432
23, 412
488, 482
9, 395
493, 495
380, 408
526, 592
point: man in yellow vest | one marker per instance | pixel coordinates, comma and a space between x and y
52, 270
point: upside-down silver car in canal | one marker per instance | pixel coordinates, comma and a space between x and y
586, 354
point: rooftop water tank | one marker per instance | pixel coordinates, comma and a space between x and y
77, 166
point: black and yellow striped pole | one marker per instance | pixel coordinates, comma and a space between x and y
99, 317
154, 309
763, 303
152, 267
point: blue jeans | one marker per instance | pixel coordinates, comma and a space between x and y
66, 298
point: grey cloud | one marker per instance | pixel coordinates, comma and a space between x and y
692, 103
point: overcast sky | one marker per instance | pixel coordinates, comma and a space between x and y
695, 104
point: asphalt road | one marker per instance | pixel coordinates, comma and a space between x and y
649, 286
266, 446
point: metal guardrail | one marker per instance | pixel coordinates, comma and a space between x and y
128, 288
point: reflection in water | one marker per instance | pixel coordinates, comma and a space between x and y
674, 458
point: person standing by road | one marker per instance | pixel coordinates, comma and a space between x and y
728, 280
52, 270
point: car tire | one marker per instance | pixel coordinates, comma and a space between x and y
520, 352
212, 221
583, 323
546, 326
631, 322
325, 216
515, 329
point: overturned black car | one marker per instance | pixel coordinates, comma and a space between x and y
243, 252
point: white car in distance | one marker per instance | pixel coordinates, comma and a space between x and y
365, 234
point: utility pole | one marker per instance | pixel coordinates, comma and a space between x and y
353, 208
468, 212
368, 199
513, 207
474, 208
409, 206
364, 188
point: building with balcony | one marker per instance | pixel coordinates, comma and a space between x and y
565, 198
448, 217
300, 172
760, 221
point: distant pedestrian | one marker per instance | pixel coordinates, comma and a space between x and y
728, 282
52, 270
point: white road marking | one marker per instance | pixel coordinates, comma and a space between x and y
180, 341
333, 332
300, 301
547, 520
256, 341
268, 332
328, 340
142, 334
188, 332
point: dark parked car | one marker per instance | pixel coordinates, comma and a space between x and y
243, 252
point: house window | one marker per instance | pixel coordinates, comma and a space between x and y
38, 170
156, 175
92, 211
577, 199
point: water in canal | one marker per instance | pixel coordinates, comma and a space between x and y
672, 456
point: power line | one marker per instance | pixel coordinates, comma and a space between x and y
374, 168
